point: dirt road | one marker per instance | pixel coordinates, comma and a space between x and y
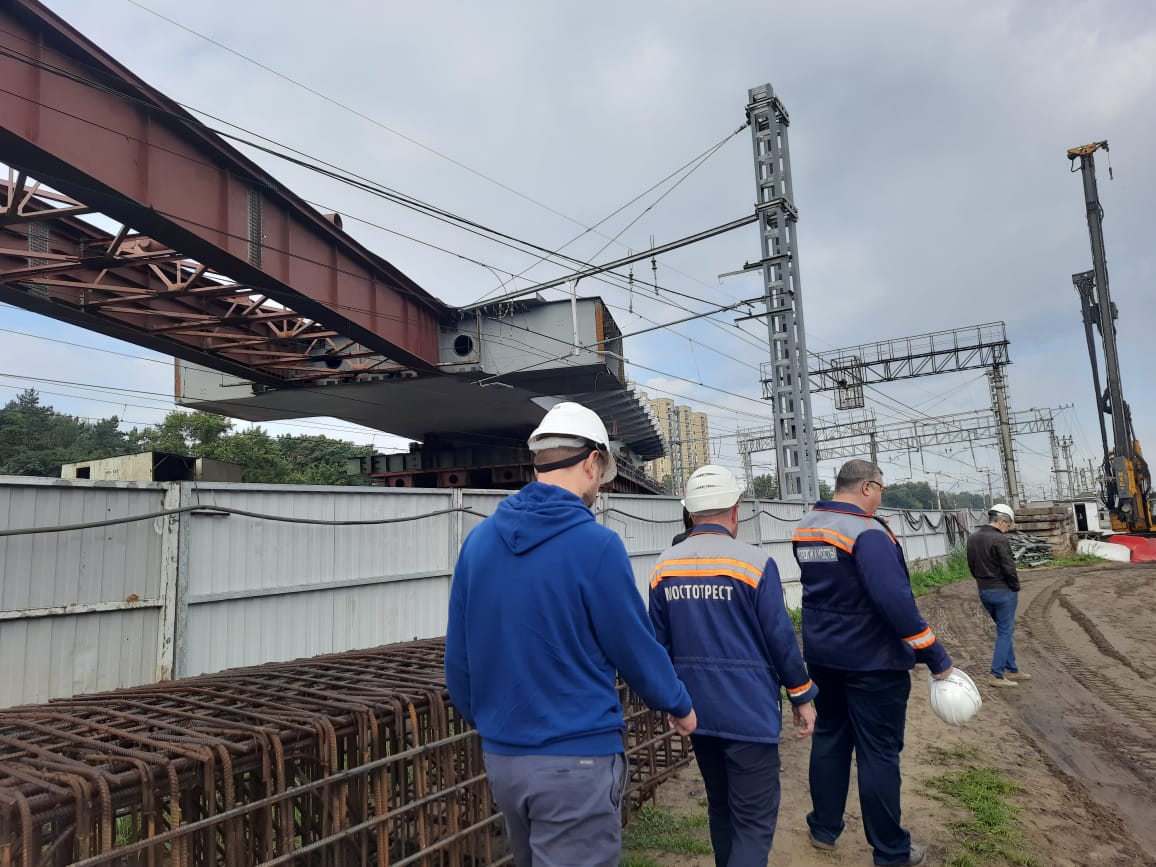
1080, 737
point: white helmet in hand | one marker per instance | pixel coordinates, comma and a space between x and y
955, 699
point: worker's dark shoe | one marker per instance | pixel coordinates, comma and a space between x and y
914, 857
1017, 675
1001, 682
819, 844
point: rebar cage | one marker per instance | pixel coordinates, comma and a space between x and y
352, 758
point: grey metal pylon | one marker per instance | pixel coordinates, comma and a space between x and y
784, 376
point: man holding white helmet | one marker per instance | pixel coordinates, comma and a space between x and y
717, 606
993, 567
862, 635
543, 613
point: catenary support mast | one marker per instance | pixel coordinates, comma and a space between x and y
785, 380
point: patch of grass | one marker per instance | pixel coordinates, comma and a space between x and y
655, 830
953, 569
630, 859
1075, 560
989, 835
796, 615
952, 756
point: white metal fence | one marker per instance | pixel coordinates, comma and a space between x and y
206, 588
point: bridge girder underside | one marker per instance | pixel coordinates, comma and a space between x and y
203, 254
134, 287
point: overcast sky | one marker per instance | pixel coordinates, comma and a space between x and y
928, 146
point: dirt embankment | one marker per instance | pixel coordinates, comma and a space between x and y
1080, 737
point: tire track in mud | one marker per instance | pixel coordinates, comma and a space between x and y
1097, 724
1072, 641
1089, 712
1102, 644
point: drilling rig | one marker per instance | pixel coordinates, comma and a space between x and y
1126, 481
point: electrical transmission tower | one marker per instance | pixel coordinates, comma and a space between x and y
1066, 448
784, 377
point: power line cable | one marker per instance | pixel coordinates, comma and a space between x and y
301, 159
585, 229
245, 513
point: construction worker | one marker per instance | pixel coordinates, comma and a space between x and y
543, 612
993, 567
862, 634
717, 606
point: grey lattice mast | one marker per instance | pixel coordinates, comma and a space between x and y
785, 381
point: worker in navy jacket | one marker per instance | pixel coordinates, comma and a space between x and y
544, 612
717, 606
862, 635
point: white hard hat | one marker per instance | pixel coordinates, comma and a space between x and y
1006, 511
571, 424
711, 489
955, 699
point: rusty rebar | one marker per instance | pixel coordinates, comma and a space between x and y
354, 758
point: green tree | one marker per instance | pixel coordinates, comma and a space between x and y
909, 495
256, 451
765, 487
185, 433
319, 460
36, 439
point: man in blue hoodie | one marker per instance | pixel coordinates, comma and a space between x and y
543, 612
862, 635
717, 606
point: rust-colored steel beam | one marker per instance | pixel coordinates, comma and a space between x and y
104, 141
133, 287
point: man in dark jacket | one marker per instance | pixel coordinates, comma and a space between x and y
990, 560
862, 635
717, 606
544, 610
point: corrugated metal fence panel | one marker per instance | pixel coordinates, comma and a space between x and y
646, 525
254, 591
479, 501
776, 524
106, 639
262, 591
923, 535
773, 537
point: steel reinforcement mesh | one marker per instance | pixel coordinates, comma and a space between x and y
350, 759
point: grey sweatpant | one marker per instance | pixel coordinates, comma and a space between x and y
560, 811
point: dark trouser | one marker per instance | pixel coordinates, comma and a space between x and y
864, 711
1001, 605
742, 794
560, 811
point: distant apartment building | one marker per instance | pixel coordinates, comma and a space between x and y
687, 438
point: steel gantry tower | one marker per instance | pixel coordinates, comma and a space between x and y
784, 376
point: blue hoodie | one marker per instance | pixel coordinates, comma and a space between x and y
543, 611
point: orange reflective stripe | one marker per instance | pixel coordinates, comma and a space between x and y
665, 573
742, 564
826, 532
799, 690
921, 639
829, 537
707, 563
